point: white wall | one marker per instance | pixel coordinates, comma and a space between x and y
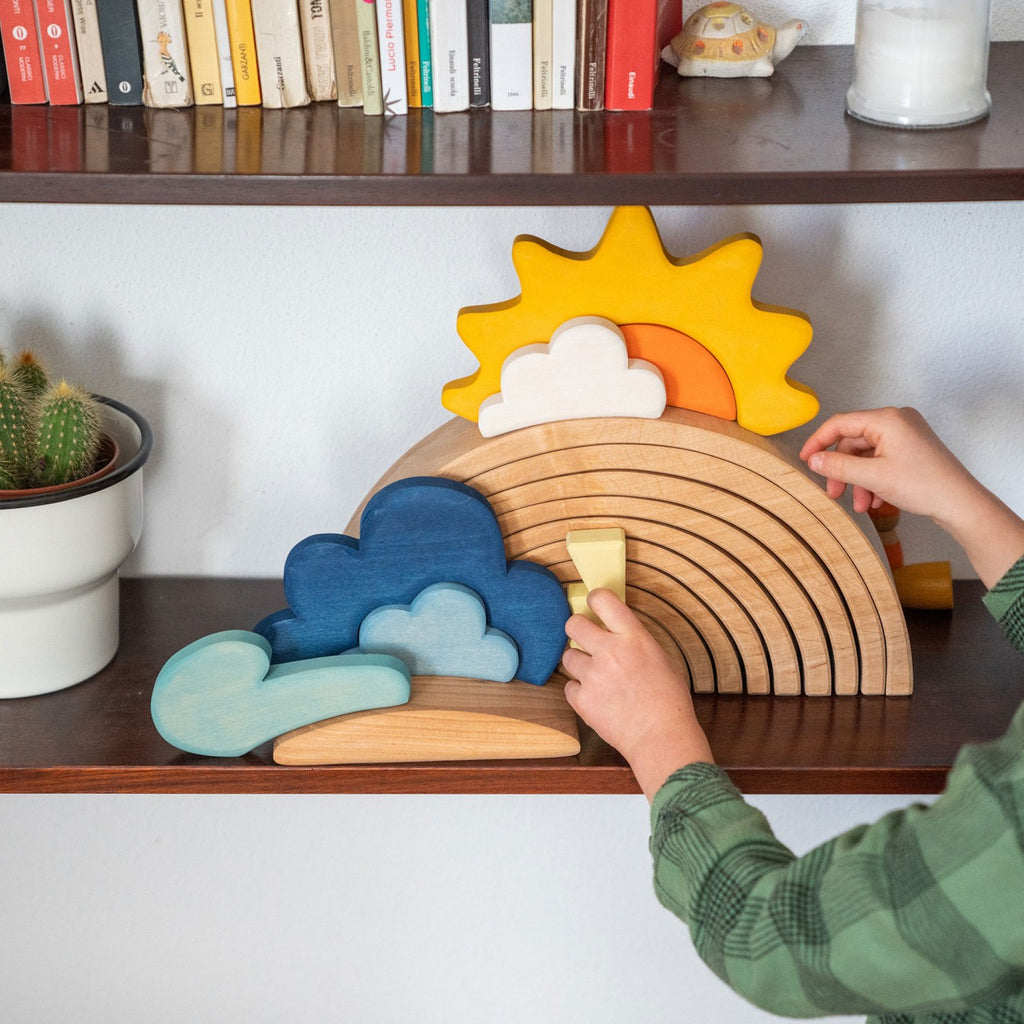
280, 385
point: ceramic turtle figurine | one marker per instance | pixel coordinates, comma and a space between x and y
724, 40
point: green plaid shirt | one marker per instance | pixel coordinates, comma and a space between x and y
916, 919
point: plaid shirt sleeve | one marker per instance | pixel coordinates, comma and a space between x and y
916, 919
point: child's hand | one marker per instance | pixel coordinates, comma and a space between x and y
888, 455
893, 455
625, 688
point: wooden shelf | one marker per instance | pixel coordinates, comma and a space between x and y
780, 140
98, 737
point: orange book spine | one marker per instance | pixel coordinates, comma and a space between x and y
59, 52
25, 75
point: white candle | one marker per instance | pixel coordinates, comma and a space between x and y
920, 62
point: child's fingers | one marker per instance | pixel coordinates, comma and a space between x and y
584, 632
574, 661
612, 611
843, 427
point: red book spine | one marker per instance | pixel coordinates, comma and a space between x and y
632, 54
59, 51
21, 51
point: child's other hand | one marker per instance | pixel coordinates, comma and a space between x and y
624, 687
890, 455
893, 455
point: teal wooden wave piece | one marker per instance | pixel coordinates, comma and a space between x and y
220, 697
444, 632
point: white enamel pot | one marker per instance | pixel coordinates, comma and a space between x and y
61, 552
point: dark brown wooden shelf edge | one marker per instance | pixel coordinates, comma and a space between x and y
463, 778
475, 190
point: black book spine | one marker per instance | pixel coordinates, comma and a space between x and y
121, 44
479, 31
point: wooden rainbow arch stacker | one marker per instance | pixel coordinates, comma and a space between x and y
623, 401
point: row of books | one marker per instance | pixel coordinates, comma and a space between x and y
382, 55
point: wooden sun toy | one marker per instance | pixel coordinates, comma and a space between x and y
718, 350
614, 435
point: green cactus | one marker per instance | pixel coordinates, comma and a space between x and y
68, 435
48, 435
15, 431
30, 374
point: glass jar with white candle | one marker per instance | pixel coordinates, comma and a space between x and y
920, 63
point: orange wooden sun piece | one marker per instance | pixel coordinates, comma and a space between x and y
694, 378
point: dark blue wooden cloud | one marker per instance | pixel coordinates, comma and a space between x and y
414, 533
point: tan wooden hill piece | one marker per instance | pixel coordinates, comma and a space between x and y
749, 575
446, 719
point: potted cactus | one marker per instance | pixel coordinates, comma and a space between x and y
50, 434
70, 514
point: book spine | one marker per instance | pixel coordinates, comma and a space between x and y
224, 64
204, 58
345, 39
511, 54
478, 29
369, 56
165, 63
449, 46
631, 54
426, 63
591, 39
90, 52
563, 53
59, 52
26, 78
122, 51
242, 37
279, 56
318, 47
391, 41
543, 14
410, 29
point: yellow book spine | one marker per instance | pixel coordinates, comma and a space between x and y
412, 51
202, 51
243, 53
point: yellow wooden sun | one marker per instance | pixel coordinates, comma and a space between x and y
629, 278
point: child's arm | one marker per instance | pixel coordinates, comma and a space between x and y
893, 455
625, 688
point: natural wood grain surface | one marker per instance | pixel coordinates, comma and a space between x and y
98, 736
446, 719
780, 140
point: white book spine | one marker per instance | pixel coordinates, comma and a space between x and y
511, 57
90, 53
391, 40
563, 53
167, 78
318, 47
543, 15
227, 73
279, 53
449, 55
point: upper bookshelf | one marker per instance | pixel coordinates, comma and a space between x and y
783, 139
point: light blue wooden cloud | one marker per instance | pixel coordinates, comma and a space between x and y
220, 697
444, 632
